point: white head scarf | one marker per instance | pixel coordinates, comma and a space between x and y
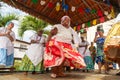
63, 18
8, 23
117, 18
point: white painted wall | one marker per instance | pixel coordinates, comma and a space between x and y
17, 52
91, 31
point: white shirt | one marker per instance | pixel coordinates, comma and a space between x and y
81, 49
41, 39
64, 34
5, 42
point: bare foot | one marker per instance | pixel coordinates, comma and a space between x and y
26, 73
53, 75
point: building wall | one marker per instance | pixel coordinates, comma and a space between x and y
20, 48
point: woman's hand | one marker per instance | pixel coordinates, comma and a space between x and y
8, 32
96, 34
34, 41
52, 33
10, 37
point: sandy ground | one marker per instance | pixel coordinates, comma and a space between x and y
74, 75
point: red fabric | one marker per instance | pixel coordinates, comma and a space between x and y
100, 13
102, 19
50, 5
81, 10
78, 28
58, 52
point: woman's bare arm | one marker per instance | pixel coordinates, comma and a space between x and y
10, 37
2, 34
52, 33
95, 39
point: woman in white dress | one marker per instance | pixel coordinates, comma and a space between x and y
32, 61
59, 51
7, 36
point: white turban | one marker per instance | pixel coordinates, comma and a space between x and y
8, 23
63, 18
117, 18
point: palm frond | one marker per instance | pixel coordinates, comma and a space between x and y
31, 23
7, 18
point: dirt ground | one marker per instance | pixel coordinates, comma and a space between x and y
74, 75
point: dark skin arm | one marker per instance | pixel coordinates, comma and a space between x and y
95, 39
9, 36
2, 34
85, 49
52, 33
82, 45
33, 41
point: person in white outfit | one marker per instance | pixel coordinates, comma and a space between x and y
33, 59
59, 51
7, 37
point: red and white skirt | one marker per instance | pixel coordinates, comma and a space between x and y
57, 53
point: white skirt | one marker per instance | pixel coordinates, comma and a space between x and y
35, 53
6, 44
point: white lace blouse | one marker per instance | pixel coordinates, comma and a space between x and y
64, 34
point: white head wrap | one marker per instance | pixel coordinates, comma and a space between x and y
8, 23
117, 18
63, 18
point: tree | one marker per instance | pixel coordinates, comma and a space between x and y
7, 18
31, 23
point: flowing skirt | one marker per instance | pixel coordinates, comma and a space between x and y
35, 53
112, 43
89, 63
58, 52
27, 65
113, 53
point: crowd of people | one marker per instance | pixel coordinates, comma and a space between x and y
63, 48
